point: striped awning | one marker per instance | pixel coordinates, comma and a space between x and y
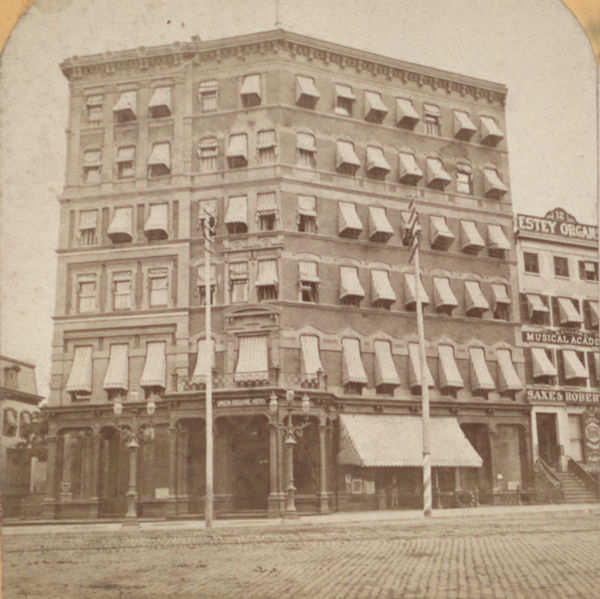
161, 98
266, 139
353, 369
307, 205
381, 288
350, 283
308, 271
408, 169
471, 239
161, 154
509, 379
414, 368
374, 106
266, 203
500, 294
450, 376
497, 238
406, 115
490, 132
306, 142
309, 350
574, 367
474, 298
541, 363
154, 373
376, 159
253, 359
386, 440
205, 360
238, 146
126, 154
267, 273
535, 304
80, 377
431, 110
568, 313
88, 219
158, 219
306, 90
126, 101
436, 172
493, 185
378, 223
117, 373
410, 291
441, 236
593, 306
237, 210
348, 218
251, 85
344, 91
463, 125
481, 379
121, 226
92, 157
346, 154
94, 100
443, 296
385, 369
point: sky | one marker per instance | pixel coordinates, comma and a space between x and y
535, 47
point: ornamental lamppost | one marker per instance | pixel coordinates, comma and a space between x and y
291, 432
133, 435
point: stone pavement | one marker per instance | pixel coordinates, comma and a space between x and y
540, 551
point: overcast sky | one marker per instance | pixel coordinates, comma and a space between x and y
535, 47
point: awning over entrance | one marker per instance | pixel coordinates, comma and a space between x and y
372, 440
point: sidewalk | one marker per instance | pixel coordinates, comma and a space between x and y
58, 526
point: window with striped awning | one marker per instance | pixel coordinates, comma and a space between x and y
117, 372
252, 364
353, 371
154, 373
310, 356
80, 377
386, 374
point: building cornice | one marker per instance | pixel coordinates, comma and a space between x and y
273, 42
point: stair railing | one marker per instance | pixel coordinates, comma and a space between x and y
585, 477
546, 471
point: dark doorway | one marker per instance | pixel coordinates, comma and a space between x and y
547, 441
113, 473
196, 464
480, 478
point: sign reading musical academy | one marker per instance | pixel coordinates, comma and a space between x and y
562, 337
557, 222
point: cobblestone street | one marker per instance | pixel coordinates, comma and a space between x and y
527, 555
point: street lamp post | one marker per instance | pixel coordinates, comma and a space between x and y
133, 436
292, 432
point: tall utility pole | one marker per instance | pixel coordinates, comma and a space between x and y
413, 236
208, 500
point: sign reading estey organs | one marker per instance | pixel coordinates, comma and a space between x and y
563, 337
557, 222
573, 397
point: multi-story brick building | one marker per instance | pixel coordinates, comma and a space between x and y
558, 269
306, 155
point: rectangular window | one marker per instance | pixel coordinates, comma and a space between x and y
250, 91
561, 266
501, 303
531, 262
307, 214
575, 438
437, 177
308, 281
160, 103
121, 288
266, 146
307, 95
92, 166
266, 210
126, 162
237, 150
347, 160
535, 308
590, 314
431, 118
94, 105
10, 423
267, 280
306, 150
88, 222
238, 282
208, 152
344, 99
207, 96
464, 182
159, 163
158, 282
588, 270
236, 217
351, 290
200, 282
86, 294
124, 110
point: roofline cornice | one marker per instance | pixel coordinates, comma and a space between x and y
274, 41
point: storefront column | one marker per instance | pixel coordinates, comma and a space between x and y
95, 465
323, 494
534, 437
493, 435
456, 480
273, 501
172, 461
65, 481
51, 467
182, 446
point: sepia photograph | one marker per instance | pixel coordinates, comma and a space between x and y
300, 299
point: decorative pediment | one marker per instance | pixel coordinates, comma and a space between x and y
251, 318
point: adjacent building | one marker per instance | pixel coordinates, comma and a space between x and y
304, 156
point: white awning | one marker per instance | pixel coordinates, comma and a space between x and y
346, 154
205, 360
474, 298
536, 305
385, 369
481, 379
238, 271
161, 154
431, 109
348, 218
237, 210
238, 146
126, 101
92, 157
158, 219
80, 377
94, 100
441, 236
414, 368
449, 374
568, 313
493, 185
376, 159
266, 203
251, 85
155, 366
126, 154
88, 219
490, 132
353, 369
408, 169
471, 239
253, 359
350, 283
509, 379
307, 205
308, 271
309, 349
574, 367
443, 296
410, 291
542, 365
200, 275
374, 106
306, 90
378, 223
121, 225
405, 112
381, 288
463, 126
306, 142
266, 139
117, 373
161, 98
386, 440
436, 172
497, 238
344, 91
593, 316
500, 294
267, 273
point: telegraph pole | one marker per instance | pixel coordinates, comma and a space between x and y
412, 235
208, 500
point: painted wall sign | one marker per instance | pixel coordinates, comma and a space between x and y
562, 337
570, 397
557, 222
233, 403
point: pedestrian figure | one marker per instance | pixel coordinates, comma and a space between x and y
395, 499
